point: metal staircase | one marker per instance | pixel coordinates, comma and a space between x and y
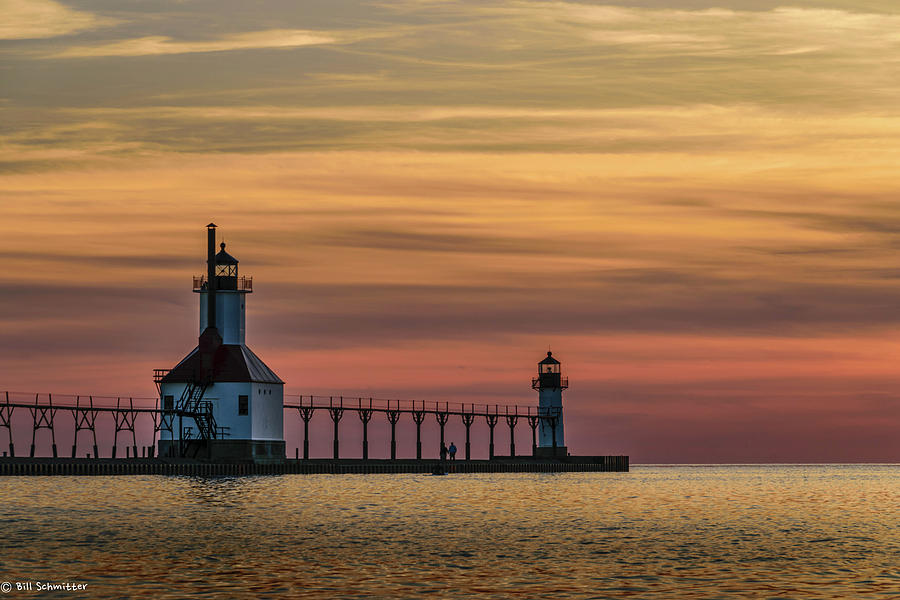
191, 397
192, 405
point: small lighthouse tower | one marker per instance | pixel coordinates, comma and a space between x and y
549, 385
221, 401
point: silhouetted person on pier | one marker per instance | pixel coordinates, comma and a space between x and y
452, 451
443, 452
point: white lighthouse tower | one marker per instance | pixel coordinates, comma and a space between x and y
222, 401
549, 384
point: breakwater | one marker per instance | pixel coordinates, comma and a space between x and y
141, 466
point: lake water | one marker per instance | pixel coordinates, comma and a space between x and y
656, 532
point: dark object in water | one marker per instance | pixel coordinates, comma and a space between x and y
438, 470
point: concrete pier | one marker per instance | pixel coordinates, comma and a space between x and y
13, 467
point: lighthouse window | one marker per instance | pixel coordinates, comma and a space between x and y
243, 405
169, 403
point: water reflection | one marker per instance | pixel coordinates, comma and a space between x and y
657, 532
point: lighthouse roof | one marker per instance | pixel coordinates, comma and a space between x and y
231, 363
223, 258
549, 360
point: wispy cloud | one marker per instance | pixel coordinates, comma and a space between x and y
748, 29
156, 45
694, 129
33, 19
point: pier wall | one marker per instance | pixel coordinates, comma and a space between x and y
12, 467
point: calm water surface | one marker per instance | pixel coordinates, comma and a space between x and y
657, 532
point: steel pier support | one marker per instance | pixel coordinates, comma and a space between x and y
442, 421
162, 420
418, 417
6, 421
124, 417
393, 416
468, 419
306, 413
85, 418
336, 414
511, 421
42, 418
533, 423
365, 415
492, 422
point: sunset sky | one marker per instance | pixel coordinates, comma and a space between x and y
695, 204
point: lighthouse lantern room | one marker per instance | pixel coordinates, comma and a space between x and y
222, 401
549, 385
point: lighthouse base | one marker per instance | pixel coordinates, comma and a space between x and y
258, 451
548, 452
